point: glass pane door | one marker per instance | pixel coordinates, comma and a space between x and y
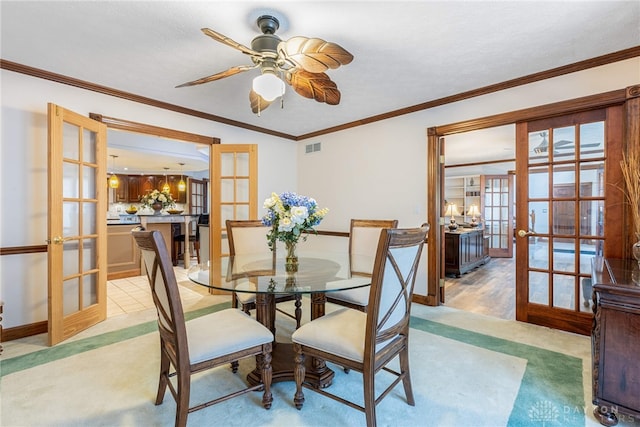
561, 218
234, 193
498, 214
77, 223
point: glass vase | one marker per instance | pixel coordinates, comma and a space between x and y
291, 261
157, 208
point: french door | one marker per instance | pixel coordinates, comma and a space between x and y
77, 224
497, 206
234, 195
566, 211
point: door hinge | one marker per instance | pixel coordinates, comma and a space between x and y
442, 283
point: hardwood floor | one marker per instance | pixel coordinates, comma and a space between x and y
489, 289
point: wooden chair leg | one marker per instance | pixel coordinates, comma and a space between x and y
298, 311
245, 308
182, 400
174, 253
369, 398
234, 300
299, 371
267, 374
406, 381
165, 365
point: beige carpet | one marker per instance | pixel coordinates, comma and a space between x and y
467, 370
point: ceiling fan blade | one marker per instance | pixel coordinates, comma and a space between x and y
229, 42
562, 142
258, 103
230, 72
573, 147
316, 86
312, 54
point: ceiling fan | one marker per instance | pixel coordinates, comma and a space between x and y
562, 144
300, 61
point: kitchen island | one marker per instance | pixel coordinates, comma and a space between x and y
123, 256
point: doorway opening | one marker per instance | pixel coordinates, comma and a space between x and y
479, 191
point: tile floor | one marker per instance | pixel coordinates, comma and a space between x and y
132, 294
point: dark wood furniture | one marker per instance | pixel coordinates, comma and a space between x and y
615, 340
209, 341
464, 250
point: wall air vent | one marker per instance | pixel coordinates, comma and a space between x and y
311, 148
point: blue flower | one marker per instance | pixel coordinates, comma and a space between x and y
289, 215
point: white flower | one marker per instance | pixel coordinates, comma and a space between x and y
285, 224
299, 214
269, 202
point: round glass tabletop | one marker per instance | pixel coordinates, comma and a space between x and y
257, 274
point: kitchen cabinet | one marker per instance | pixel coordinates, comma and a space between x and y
465, 250
615, 340
148, 183
134, 188
121, 193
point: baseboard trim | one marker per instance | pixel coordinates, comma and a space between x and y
123, 274
10, 334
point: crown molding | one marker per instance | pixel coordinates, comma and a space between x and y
531, 78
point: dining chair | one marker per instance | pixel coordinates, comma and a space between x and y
249, 237
187, 348
363, 242
367, 342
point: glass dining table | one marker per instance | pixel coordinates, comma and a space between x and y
317, 275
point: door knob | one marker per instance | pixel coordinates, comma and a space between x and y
523, 233
58, 240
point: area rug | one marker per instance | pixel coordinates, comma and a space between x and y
467, 370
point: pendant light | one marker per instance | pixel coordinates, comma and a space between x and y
165, 187
182, 186
114, 182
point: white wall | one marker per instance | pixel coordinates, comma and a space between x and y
372, 171
379, 170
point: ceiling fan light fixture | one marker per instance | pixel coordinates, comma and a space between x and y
268, 86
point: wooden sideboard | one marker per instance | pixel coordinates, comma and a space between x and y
615, 340
464, 250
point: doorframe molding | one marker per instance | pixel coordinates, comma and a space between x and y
629, 96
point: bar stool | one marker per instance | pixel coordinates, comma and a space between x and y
194, 239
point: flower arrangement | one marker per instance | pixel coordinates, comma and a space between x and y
157, 196
288, 215
630, 165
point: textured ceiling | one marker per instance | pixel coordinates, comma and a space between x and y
406, 53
